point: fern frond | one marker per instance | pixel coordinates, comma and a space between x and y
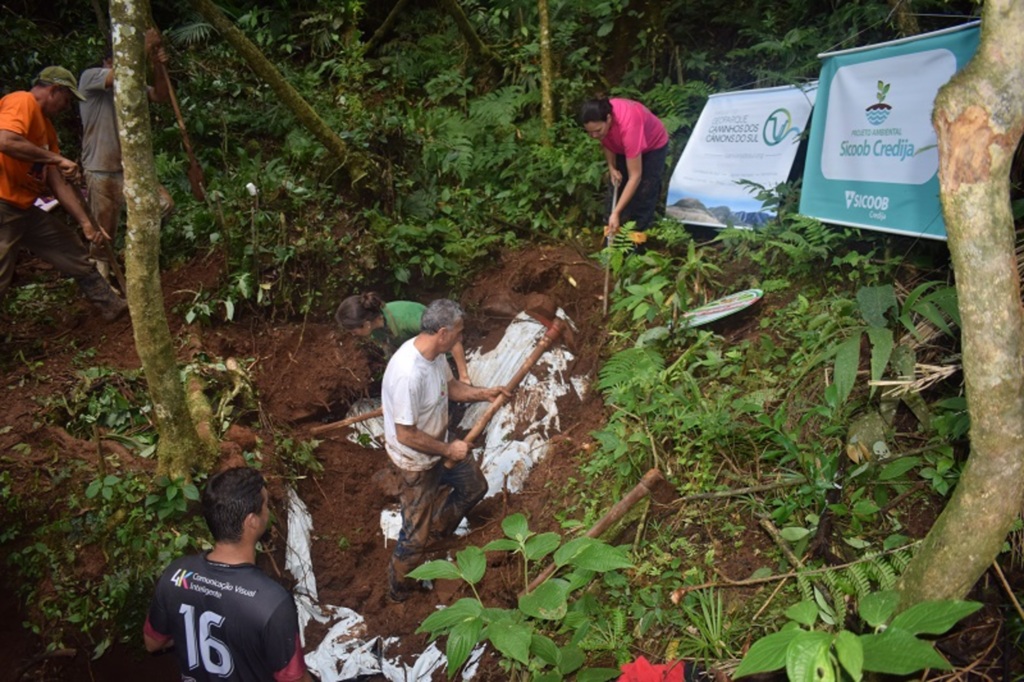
633, 365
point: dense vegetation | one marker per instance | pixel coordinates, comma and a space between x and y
462, 167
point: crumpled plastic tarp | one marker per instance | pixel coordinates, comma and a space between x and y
514, 441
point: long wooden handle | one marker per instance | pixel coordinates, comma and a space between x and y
640, 491
553, 333
107, 246
334, 426
195, 172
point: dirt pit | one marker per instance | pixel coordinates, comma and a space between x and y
306, 374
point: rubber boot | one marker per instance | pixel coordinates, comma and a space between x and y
98, 292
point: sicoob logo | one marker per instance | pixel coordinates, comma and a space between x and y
877, 113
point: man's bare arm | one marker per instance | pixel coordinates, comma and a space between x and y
17, 146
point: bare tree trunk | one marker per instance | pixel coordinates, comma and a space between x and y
180, 449
906, 20
476, 46
547, 107
354, 163
979, 117
389, 23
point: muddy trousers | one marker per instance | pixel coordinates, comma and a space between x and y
106, 204
434, 502
45, 235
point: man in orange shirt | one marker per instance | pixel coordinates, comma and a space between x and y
31, 164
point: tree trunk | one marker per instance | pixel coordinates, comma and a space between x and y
354, 163
547, 107
389, 23
476, 46
979, 118
906, 20
180, 449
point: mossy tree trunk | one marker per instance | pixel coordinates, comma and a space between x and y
547, 107
476, 45
979, 117
180, 449
382, 32
354, 163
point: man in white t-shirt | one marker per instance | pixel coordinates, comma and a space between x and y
440, 481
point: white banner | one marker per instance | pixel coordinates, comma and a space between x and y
748, 135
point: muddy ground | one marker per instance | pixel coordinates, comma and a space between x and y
306, 374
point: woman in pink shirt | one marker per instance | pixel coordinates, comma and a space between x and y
635, 145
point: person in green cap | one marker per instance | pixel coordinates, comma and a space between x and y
389, 324
30, 165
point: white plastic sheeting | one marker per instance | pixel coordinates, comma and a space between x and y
514, 441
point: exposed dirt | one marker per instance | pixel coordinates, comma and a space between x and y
306, 374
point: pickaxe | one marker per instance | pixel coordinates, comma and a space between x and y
542, 309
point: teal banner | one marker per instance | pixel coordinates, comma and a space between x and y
872, 155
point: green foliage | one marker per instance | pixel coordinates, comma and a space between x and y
522, 635
90, 567
112, 402
931, 302
299, 457
896, 648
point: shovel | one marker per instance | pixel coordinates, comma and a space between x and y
108, 248
195, 173
608, 261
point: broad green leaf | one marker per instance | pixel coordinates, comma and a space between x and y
767, 653
825, 610
539, 546
794, 533
472, 564
548, 602
865, 507
501, 545
897, 468
567, 552
511, 639
807, 658
846, 365
545, 649
578, 578
851, 654
462, 610
805, 613
881, 349
434, 570
602, 558
875, 302
572, 659
877, 607
898, 652
933, 617
461, 640
515, 527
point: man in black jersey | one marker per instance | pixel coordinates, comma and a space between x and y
226, 619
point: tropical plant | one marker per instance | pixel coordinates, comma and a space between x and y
893, 645
521, 635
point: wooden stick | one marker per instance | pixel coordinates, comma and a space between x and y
334, 426
195, 172
552, 335
640, 491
